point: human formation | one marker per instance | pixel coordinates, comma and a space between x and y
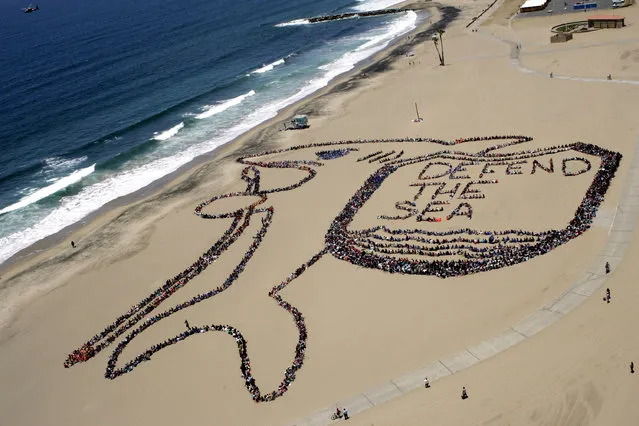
251, 175
374, 248
471, 250
333, 153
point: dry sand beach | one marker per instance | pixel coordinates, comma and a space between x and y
365, 326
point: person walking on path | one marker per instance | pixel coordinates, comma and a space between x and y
186, 323
632, 367
426, 383
607, 268
464, 394
607, 297
345, 412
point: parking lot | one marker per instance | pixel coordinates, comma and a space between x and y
556, 7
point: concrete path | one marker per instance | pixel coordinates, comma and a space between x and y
620, 234
517, 64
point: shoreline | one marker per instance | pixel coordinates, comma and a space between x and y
50, 250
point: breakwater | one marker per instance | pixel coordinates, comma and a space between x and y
355, 15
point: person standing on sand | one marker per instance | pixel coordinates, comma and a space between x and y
186, 323
345, 414
426, 383
464, 394
632, 367
72, 244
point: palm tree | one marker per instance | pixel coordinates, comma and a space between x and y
437, 41
439, 55
441, 41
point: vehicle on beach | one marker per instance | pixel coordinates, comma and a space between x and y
31, 9
622, 3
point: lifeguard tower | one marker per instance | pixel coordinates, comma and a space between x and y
300, 122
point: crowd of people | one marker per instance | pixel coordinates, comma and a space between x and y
346, 245
465, 242
371, 155
395, 157
380, 158
462, 247
113, 371
249, 159
251, 207
147, 305
334, 153
500, 248
123, 323
251, 175
567, 172
136, 313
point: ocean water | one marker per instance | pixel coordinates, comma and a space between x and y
100, 99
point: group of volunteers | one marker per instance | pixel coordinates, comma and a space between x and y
475, 251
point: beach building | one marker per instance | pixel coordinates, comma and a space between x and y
560, 37
606, 21
533, 5
300, 122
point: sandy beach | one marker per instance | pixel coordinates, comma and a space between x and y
360, 326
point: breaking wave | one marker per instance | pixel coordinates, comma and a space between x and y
268, 67
211, 110
50, 190
369, 5
167, 134
294, 22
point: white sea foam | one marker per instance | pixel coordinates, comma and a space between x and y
398, 27
374, 43
59, 185
268, 67
167, 134
212, 110
368, 5
61, 164
294, 22
89, 199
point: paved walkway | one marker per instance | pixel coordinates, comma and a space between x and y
516, 61
593, 279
